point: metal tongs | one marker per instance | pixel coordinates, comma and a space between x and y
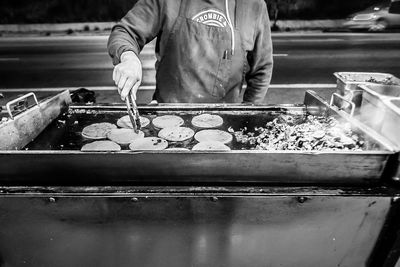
133, 113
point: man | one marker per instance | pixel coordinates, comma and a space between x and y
205, 50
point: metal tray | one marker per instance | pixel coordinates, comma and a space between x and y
24, 127
381, 112
383, 91
72, 167
391, 120
348, 82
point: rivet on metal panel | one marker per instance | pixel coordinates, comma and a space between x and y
52, 199
134, 199
302, 199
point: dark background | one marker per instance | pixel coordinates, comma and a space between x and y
57, 11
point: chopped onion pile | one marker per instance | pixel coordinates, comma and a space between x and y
308, 134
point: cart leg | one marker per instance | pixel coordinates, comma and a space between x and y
386, 252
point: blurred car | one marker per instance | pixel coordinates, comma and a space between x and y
376, 18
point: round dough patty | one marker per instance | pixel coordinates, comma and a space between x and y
149, 143
167, 121
176, 134
124, 136
211, 145
177, 149
207, 121
125, 122
101, 146
213, 135
98, 130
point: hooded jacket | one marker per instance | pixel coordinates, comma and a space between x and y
150, 19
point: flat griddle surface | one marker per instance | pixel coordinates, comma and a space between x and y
65, 132
54, 158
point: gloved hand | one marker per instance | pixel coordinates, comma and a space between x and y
127, 75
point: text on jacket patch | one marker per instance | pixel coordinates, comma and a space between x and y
211, 17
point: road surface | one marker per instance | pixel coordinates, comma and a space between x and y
299, 59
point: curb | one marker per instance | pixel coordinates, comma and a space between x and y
60, 27
106, 26
153, 87
310, 24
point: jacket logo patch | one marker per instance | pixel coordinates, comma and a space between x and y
211, 17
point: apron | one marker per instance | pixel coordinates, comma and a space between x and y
194, 67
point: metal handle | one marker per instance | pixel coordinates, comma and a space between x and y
136, 111
353, 106
133, 113
8, 105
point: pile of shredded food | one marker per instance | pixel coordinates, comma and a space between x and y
4, 120
301, 133
385, 81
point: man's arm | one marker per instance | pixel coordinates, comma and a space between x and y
141, 25
260, 61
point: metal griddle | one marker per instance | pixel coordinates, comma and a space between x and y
54, 157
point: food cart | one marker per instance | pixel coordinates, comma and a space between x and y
63, 207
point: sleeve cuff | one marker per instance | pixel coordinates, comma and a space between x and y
121, 50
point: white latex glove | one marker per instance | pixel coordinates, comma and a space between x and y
127, 75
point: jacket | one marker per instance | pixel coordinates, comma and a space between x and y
150, 19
